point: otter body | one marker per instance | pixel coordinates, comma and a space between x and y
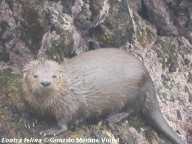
94, 84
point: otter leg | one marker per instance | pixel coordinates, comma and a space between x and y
116, 118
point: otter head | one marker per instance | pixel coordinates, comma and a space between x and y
42, 79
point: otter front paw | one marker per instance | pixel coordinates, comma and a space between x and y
53, 132
115, 118
48, 132
28, 120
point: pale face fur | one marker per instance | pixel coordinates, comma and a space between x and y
42, 79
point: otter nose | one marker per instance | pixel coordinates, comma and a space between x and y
45, 83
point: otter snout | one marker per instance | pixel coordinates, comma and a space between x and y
45, 83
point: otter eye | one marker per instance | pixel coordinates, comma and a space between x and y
35, 76
54, 76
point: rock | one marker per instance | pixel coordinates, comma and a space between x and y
116, 28
172, 87
13, 49
157, 12
158, 32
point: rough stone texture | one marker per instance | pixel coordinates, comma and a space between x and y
157, 12
169, 64
170, 17
159, 32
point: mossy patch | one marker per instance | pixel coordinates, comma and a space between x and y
10, 86
106, 38
10, 101
145, 36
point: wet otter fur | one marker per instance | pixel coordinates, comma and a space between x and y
94, 84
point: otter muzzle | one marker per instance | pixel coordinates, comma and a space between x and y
45, 83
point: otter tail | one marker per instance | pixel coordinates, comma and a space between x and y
153, 115
158, 122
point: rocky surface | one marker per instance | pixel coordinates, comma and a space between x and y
159, 32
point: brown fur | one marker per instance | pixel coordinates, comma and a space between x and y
94, 84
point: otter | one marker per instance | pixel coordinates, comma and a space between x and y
93, 84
